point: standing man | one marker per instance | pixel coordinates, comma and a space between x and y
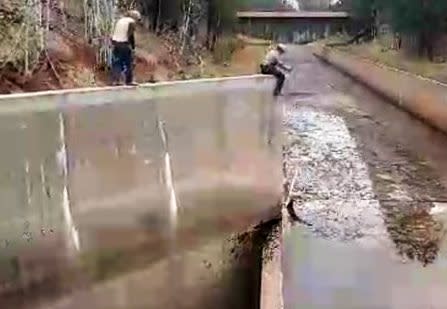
271, 65
123, 43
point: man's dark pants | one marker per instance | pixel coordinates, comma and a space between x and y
280, 77
122, 61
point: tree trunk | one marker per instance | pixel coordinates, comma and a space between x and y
157, 24
426, 45
209, 25
430, 47
216, 32
422, 44
184, 35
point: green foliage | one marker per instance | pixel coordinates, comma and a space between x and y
261, 4
367, 8
422, 19
363, 8
416, 16
219, 15
226, 11
407, 16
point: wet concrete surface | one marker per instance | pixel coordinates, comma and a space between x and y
370, 192
145, 194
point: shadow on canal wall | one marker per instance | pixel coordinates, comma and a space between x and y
127, 197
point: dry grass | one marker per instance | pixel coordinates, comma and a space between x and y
235, 56
149, 42
225, 48
157, 59
253, 41
376, 52
82, 77
339, 38
244, 61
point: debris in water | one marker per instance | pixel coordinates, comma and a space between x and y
334, 194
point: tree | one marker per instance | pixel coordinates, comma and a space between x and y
424, 19
368, 11
99, 18
24, 26
185, 16
221, 17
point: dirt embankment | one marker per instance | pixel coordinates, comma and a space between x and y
70, 62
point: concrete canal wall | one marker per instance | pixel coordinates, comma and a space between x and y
424, 98
139, 182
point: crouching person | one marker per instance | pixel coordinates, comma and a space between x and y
271, 66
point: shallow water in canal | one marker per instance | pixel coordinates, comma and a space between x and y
369, 189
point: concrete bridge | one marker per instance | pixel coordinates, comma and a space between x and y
293, 27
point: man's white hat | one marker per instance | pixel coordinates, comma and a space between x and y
134, 14
282, 47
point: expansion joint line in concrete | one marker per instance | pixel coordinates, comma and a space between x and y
168, 174
71, 228
174, 259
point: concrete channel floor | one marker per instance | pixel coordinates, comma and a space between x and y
370, 189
